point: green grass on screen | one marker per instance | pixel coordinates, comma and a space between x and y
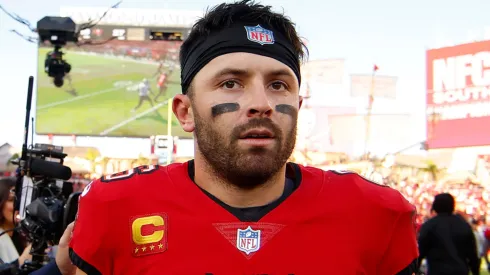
106, 96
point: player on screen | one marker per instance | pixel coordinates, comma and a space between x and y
162, 83
239, 207
161, 68
144, 92
162, 80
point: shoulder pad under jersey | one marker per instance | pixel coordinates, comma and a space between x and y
122, 184
380, 194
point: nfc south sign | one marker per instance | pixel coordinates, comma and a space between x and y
260, 35
248, 240
458, 96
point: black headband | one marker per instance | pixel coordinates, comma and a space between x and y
250, 38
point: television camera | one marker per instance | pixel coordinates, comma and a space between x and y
58, 31
45, 202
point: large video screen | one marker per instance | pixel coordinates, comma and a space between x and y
114, 88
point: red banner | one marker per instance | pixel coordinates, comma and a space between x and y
458, 96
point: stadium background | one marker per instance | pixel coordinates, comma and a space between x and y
63, 119
105, 77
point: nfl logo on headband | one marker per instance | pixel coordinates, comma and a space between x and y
260, 35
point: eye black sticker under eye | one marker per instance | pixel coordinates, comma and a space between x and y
222, 108
287, 109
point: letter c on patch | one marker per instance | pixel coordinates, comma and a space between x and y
137, 226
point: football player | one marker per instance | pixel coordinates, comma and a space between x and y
144, 92
162, 83
239, 207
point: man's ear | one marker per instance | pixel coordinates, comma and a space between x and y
300, 102
181, 106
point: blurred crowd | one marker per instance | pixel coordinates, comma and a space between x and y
471, 198
471, 203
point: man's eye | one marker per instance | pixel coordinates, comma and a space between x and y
278, 86
230, 84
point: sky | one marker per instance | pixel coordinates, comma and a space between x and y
392, 34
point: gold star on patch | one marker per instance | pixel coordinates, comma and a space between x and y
136, 250
152, 247
160, 246
143, 248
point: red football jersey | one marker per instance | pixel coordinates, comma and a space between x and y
161, 80
156, 220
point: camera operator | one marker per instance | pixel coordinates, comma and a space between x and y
62, 265
11, 244
14, 249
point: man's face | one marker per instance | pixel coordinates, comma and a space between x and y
245, 110
8, 208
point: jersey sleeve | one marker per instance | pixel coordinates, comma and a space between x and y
90, 244
402, 249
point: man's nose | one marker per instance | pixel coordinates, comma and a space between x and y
259, 103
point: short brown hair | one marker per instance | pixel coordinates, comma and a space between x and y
224, 15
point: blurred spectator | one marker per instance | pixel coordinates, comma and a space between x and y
447, 241
13, 248
480, 239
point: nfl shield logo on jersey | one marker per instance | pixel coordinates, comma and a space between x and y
248, 240
260, 35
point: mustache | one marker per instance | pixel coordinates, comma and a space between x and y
253, 123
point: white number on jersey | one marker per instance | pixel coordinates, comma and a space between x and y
145, 169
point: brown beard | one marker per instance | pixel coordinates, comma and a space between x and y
245, 169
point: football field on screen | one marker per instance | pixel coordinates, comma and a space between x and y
107, 92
